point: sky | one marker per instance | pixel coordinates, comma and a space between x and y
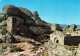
51, 11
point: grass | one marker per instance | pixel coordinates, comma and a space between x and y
28, 41
15, 49
22, 41
31, 42
13, 46
4, 47
36, 47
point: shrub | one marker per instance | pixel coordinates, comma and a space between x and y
28, 41
15, 49
18, 40
12, 46
22, 41
31, 42
4, 47
36, 47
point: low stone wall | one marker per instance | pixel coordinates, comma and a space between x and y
72, 40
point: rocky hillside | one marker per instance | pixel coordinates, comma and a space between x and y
23, 33
28, 23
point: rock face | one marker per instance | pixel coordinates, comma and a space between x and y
70, 28
30, 22
55, 27
38, 19
26, 11
11, 10
2, 17
8, 38
67, 26
38, 30
73, 27
23, 22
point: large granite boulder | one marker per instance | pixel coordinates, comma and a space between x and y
38, 19
73, 26
11, 10
3, 25
38, 30
8, 38
28, 22
55, 27
2, 17
26, 11
24, 31
36, 14
20, 21
3, 22
67, 26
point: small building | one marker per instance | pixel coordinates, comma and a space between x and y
57, 37
63, 39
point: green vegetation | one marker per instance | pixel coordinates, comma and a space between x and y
4, 47
15, 49
28, 41
18, 40
31, 42
22, 41
42, 41
36, 47
13, 46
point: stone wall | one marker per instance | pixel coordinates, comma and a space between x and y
11, 25
57, 37
72, 40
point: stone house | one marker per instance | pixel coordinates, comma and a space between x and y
57, 37
63, 39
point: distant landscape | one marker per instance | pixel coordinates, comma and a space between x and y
63, 25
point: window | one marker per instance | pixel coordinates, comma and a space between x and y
14, 20
57, 41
